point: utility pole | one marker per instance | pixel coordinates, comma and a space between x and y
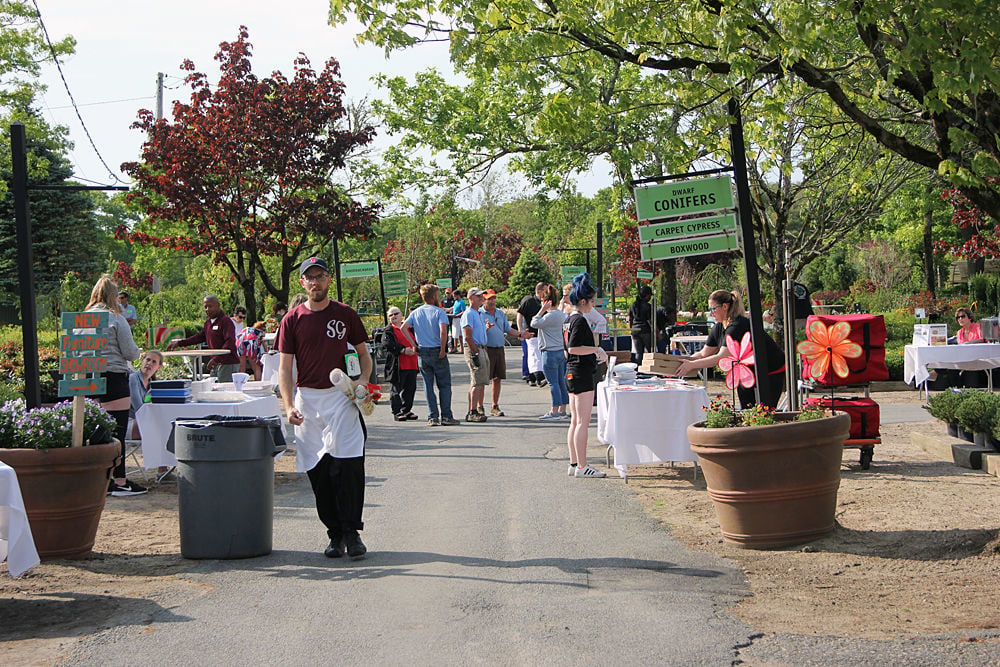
159, 95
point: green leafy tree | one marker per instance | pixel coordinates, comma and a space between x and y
65, 234
919, 78
529, 270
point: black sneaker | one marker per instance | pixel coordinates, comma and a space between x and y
449, 421
470, 415
336, 548
129, 488
356, 549
532, 383
543, 382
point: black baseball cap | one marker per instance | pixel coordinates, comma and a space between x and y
311, 262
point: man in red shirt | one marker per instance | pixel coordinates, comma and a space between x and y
219, 333
329, 430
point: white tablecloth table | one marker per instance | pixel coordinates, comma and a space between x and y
919, 359
17, 546
155, 419
648, 425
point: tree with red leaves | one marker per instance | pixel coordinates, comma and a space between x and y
980, 232
246, 168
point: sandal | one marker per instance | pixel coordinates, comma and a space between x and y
400, 418
411, 417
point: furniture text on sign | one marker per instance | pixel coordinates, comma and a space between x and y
669, 200
701, 245
83, 354
359, 270
663, 231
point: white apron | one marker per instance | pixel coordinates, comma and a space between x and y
534, 356
332, 426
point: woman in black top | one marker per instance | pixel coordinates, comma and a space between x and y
639, 318
732, 321
583, 357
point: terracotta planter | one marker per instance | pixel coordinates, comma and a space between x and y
773, 486
64, 491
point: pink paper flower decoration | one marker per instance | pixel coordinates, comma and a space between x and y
736, 366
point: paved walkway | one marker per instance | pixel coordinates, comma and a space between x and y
482, 551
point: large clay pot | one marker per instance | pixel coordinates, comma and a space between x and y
64, 491
773, 486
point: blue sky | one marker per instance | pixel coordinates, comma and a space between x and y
122, 45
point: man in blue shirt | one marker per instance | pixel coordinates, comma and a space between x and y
497, 325
429, 324
474, 333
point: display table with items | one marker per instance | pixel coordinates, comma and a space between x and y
193, 358
16, 544
646, 421
156, 419
918, 360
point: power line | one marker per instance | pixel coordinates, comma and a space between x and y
62, 76
94, 104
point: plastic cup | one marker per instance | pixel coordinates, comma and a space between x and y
240, 379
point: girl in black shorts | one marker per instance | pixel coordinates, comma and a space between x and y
583, 357
120, 354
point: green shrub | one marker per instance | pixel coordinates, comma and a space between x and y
944, 406
978, 411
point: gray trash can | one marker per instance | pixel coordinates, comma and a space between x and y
225, 474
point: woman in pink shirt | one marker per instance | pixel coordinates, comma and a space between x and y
969, 333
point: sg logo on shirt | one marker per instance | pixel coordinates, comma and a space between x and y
336, 329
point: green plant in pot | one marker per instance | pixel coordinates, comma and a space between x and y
943, 406
977, 413
772, 476
63, 487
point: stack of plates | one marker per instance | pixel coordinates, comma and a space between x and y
625, 372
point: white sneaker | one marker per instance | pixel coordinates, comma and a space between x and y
572, 470
587, 471
564, 415
550, 417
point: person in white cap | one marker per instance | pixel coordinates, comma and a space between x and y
329, 430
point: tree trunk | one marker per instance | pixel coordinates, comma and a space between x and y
928, 242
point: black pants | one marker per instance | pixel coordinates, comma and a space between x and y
401, 396
748, 397
121, 426
339, 487
643, 344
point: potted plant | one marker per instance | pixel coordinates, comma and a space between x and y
63, 487
943, 406
773, 476
977, 414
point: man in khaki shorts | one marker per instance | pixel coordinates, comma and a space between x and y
474, 333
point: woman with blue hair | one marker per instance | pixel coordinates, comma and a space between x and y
582, 360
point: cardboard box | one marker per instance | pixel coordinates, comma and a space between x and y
666, 364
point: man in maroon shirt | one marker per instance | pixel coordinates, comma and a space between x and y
329, 430
219, 333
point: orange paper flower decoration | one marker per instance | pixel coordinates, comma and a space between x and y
828, 347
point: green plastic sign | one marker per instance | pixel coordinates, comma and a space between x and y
701, 245
443, 283
669, 200
83, 387
644, 275
395, 283
663, 231
359, 270
567, 273
97, 319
